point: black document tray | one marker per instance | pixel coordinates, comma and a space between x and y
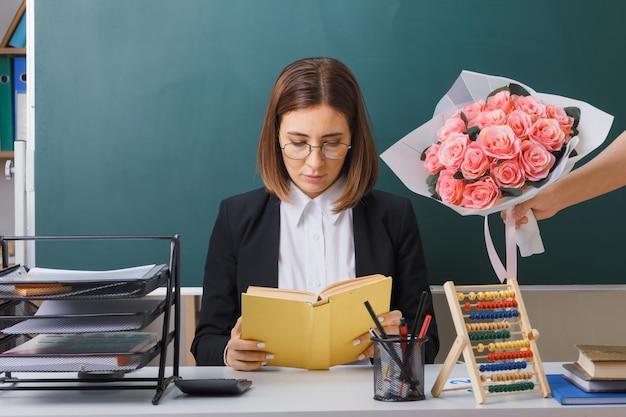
85, 288
122, 316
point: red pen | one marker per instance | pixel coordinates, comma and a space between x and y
424, 329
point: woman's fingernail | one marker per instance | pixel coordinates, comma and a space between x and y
260, 345
356, 342
361, 357
381, 319
263, 363
269, 356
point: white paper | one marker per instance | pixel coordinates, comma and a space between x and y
44, 275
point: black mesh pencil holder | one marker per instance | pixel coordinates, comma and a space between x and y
398, 369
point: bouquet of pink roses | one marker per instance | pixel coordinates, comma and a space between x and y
492, 143
497, 147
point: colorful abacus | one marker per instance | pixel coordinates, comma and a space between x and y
498, 345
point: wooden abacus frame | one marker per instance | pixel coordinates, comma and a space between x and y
505, 294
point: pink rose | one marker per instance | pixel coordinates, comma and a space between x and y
475, 163
452, 150
490, 118
452, 125
450, 189
530, 105
499, 142
481, 194
520, 122
508, 173
548, 132
472, 111
432, 163
501, 100
535, 160
566, 122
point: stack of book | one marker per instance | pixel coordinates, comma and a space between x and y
599, 368
597, 377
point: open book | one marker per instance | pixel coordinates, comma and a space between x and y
314, 331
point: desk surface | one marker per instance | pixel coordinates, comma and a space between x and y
343, 390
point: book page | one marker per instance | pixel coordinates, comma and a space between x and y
283, 293
344, 285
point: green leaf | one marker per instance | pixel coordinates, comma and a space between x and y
539, 183
464, 118
431, 181
575, 113
458, 176
518, 90
511, 192
423, 155
497, 90
557, 155
473, 132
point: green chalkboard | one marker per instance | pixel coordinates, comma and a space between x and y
147, 113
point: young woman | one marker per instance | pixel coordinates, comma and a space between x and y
318, 219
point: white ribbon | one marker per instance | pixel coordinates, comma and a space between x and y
527, 237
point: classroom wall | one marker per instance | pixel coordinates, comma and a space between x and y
148, 112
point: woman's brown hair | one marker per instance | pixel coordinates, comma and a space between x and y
310, 82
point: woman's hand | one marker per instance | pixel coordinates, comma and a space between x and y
541, 205
391, 323
245, 355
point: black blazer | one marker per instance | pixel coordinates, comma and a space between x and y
243, 251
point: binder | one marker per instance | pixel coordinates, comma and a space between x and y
18, 39
19, 99
6, 104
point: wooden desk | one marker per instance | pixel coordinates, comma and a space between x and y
345, 391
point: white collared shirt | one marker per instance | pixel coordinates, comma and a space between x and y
316, 245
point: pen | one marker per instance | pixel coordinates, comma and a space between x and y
424, 329
404, 332
383, 335
421, 305
418, 314
379, 326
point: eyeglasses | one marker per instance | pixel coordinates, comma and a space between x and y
330, 150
